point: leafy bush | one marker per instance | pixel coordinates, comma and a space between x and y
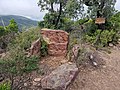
11, 28
7, 33
114, 22
90, 27
24, 39
2, 31
109, 35
50, 21
106, 37
44, 48
16, 63
5, 86
18, 47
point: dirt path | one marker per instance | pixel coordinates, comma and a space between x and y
105, 78
50, 63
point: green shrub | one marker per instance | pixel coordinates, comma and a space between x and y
16, 63
90, 27
44, 49
106, 37
30, 64
11, 28
50, 19
5, 86
24, 39
2, 31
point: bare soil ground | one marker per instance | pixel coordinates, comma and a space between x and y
50, 63
46, 66
106, 77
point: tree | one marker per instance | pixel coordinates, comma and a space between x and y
100, 8
12, 27
7, 33
2, 31
58, 9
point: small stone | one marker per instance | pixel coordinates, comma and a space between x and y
25, 84
70, 63
37, 79
34, 83
104, 66
119, 40
39, 84
95, 64
63, 61
91, 57
111, 45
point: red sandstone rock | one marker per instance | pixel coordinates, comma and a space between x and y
60, 78
75, 51
57, 41
35, 47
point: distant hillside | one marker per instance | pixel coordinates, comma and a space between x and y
22, 22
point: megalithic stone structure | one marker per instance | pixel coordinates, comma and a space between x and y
57, 41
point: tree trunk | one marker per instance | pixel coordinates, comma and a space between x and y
52, 9
58, 19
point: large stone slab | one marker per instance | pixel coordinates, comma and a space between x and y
60, 78
57, 41
35, 47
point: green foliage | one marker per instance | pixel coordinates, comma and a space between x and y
90, 26
18, 47
16, 63
5, 86
11, 28
81, 21
110, 35
106, 37
100, 8
66, 24
24, 39
50, 19
30, 64
114, 22
44, 48
7, 33
60, 18
2, 31
70, 8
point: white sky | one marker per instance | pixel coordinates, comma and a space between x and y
28, 8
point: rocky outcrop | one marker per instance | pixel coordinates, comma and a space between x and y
57, 41
60, 78
75, 52
35, 48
